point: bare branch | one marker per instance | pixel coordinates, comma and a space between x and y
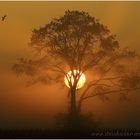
111, 92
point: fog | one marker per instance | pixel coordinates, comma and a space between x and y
36, 106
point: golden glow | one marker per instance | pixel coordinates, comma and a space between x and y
81, 81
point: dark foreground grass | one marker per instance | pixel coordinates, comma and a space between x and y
45, 133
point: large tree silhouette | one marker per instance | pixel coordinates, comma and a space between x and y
77, 41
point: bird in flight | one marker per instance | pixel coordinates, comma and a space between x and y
4, 17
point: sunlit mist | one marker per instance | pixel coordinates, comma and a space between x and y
28, 102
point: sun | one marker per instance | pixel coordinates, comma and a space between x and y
81, 81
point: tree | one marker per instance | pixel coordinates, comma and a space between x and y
78, 41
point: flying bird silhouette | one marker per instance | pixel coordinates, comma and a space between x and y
4, 17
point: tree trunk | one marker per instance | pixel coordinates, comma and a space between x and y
73, 107
73, 110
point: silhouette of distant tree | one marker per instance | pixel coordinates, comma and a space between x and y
78, 41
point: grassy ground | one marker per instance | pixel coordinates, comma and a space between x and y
100, 133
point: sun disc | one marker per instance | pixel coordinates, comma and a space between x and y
80, 83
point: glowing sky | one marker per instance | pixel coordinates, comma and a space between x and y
20, 106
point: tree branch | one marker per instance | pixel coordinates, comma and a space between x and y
111, 92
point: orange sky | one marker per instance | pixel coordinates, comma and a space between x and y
122, 18
34, 106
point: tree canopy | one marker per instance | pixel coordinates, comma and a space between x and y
75, 38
